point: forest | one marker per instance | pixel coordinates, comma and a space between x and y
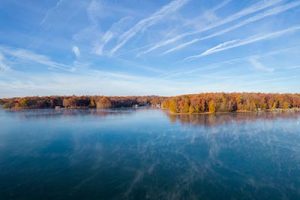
230, 102
73, 102
193, 103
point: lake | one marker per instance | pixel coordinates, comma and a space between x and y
148, 154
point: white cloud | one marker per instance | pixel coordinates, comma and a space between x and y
34, 57
58, 3
209, 16
145, 23
259, 66
3, 65
219, 6
270, 12
94, 11
237, 43
76, 51
93, 34
104, 40
181, 46
217, 65
222, 46
245, 12
115, 30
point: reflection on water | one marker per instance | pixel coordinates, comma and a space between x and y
50, 113
224, 118
148, 154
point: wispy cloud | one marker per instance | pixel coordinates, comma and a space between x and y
210, 12
245, 12
114, 31
99, 47
94, 11
58, 3
219, 6
145, 23
260, 16
207, 17
220, 47
259, 66
76, 51
34, 57
3, 65
217, 65
104, 38
237, 43
181, 46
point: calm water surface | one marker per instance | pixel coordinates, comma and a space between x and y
147, 154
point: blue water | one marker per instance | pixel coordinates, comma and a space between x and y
148, 154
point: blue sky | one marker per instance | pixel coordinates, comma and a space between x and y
145, 47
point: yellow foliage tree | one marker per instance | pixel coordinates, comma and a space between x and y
24, 103
286, 105
186, 107
192, 109
212, 106
173, 106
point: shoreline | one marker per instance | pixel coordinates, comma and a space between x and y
291, 110
203, 103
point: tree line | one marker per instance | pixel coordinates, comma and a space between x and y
230, 102
100, 102
194, 103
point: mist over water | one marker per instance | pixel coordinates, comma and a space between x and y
148, 154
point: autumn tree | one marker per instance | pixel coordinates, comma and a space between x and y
103, 102
192, 109
92, 102
286, 105
211, 106
173, 106
24, 103
186, 105
69, 102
